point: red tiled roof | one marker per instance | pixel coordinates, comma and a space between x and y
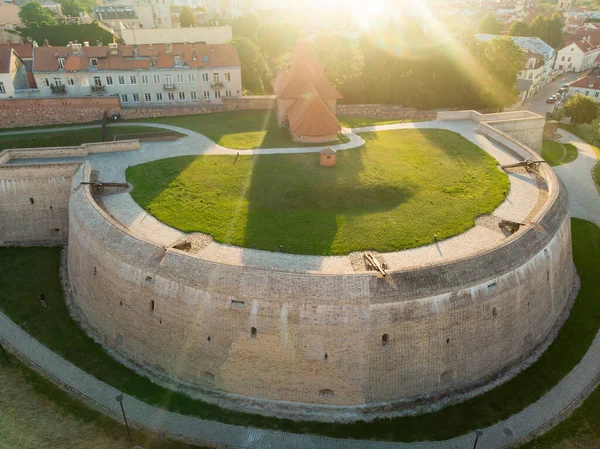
192, 55
309, 116
303, 69
589, 80
23, 50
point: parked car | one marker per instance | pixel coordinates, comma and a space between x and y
552, 99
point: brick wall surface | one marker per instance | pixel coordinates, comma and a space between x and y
383, 112
34, 203
249, 103
319, 337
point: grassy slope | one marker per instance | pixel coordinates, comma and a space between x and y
242, 130
27, 272
580, 430
555, 153
68, 138
38, 415
359, 122
396, 192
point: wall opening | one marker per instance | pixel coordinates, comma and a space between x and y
31, 201
118, 339
148, 278
160, 321
208, 338
385, 338
235, 303
121, 303
492, 287
447, 341
95, 271
326, 393
253, 332
151, 305
326, 356
494, 312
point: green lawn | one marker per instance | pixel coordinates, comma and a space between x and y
27, 272
240, 130
556, 153
38, 415
68, 138
396, 192
359, 122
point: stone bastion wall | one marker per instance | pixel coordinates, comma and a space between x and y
270, 341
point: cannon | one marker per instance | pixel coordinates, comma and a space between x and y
528, 164
374, 265
510, 226
99, 186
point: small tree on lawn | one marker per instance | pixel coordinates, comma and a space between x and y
581, 109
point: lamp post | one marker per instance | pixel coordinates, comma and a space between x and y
478, 434
5, 355
120, 401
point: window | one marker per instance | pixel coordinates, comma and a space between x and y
385, 338
228, 93
109, 81
97, 81
253, 332
216, 77
133, 79
171, 96
182, 95
159, 96
193, 96
151, 305
563, 58
136, 98
148, 98
156, 79
191, 77
168, 80
93, 62
144, 79
46, 82
61, 63
207, 95
587, 93
2, 88
71, 81
121, 80
569, 60
180, 78
217, 94
227, 76
205, 77
124, 98
531, 76
57, 82
597, 94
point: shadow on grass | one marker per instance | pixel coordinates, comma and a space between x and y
305, 210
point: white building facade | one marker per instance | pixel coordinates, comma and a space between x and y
149, 75
577, 56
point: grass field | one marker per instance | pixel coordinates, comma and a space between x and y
38, 415
556, 153
26, 272
396, 192
68, 138
240, 130
359, 122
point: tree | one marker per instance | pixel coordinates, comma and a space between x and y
490, 25
245, 26
548, 30
62, 34
187, 18
33, 12
503, 62
518, 28
72, 8
255, 73
581, 109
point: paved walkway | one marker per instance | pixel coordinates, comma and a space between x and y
539, 416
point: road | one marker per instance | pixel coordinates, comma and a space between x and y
538, 101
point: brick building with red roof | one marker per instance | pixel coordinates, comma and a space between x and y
306, 100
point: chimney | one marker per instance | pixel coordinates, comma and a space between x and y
76, 49
35, 44
46, 43
86, 44
114, 49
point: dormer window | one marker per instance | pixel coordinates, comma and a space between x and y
61, 63
93, 62
177, 60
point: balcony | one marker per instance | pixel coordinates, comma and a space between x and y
216, 84
98, 88
169, 86
62, 89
